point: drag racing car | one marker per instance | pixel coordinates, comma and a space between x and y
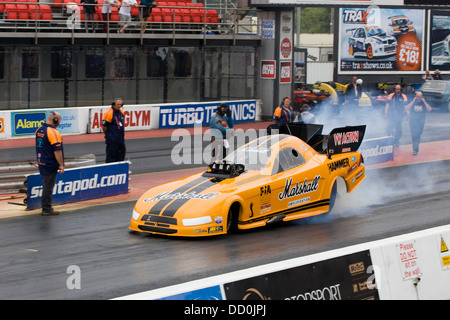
277, 177
371, 42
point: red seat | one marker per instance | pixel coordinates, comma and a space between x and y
156, 15
171, 4
46, 12
57, 3
134, 11
199, 5
162, 3
22, 11
185, 15
114, 14
167, 14
177, 15
212, 16
11, 11
35, 14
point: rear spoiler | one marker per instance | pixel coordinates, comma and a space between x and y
339, 140
345, 139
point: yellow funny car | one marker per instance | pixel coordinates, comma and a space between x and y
277, 177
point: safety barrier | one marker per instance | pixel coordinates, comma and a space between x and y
80, 184
24, 123
410, 266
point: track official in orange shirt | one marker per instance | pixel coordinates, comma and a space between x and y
50, 158
114, 129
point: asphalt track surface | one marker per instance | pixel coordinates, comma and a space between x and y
36, 251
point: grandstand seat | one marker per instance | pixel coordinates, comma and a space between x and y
156, 15
11, 11
35, 14
46, 12
134, 11
181, 4
177, 15
195, 14
172, 4
114, 14
167, 14
57, 3
199, 5
162, 3
212, 16
185, 15
22, 12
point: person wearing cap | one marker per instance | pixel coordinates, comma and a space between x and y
284, 112
221, 124
437, 75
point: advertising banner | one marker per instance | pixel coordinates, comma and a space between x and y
349, 277
135, 117
380, 40
187, 115
439, 40
209, 293
25, 123
5, 125
377, 150
268, 69
79, 184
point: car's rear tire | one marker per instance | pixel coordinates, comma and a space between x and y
333, 196
369, 52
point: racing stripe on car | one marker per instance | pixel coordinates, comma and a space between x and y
172, 208
161, 204
320, 203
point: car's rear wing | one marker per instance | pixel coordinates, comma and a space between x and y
339, 140
345, 139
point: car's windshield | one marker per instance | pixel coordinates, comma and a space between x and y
253, 158
400, 22
434, 86
375, 32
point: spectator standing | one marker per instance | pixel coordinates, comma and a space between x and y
221, 124
416, 112
125, 14
427, 76
437, 75
50, 158
284, 112
114, 130
353, 92
144, 12
89, 13
106, 12
395, 112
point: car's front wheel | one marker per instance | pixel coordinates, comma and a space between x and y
232, 218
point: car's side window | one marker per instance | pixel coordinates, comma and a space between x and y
287, 158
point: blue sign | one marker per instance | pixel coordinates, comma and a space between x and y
210, 293
377, 150
188, 115
81, 184
25, 123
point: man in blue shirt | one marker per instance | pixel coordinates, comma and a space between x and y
50, 158
114, 128
221, 124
